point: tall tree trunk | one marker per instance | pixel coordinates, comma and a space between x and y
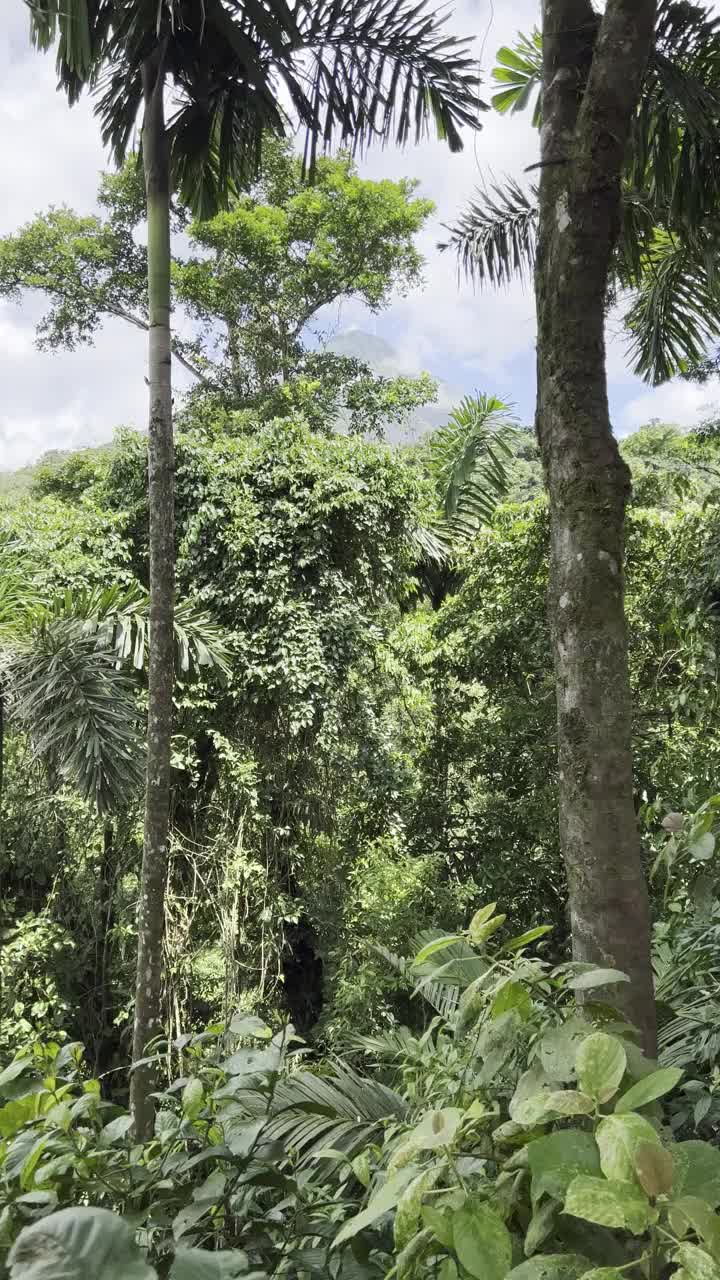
148, 991
592, 79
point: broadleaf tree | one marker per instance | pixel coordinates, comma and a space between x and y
378, 70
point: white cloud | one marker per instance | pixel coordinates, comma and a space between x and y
681, 402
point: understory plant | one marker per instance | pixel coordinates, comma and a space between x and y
523, 1134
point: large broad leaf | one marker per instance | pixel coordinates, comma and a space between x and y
551, 1266
482, 1241
648, 1089
381, 1203
559, 1157
600, 1065
696, 1263
75, 1244
697, 1171
607, 1203
618, 1138
654, 1169
689, 1212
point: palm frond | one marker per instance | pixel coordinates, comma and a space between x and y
676, 310
469, 459
119, 617
519, 69
371, 71
79, 712
673, 151
340, 1109
494, 237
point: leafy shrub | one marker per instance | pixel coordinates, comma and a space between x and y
519, 1136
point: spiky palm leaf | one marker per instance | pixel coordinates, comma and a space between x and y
339, 1110
670, 193
494, 237
676, 309
79, 712
469, 460
374, 70
519, 69
120, 618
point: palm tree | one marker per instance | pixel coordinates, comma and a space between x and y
665, 257
468, 462
353, 73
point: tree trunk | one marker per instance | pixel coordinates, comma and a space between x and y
592, 79
148, 991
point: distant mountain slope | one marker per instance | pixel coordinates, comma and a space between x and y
383, 360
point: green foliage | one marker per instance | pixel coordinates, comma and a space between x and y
307, 246
522, 1141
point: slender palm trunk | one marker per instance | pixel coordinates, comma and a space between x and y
584, 138
148, 991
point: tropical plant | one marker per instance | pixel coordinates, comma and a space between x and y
665, 255
358, 75
522, 1142
468, 464
65, 680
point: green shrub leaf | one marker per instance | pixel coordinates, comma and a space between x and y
600, 1064
696, 1263
697, 1171
608, 1203
557, 1158
648, 1089
618, 1138
481, 1241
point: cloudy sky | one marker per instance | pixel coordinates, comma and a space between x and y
475, 342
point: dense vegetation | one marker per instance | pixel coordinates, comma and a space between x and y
358, 801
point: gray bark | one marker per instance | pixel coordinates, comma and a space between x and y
592, 79
151, 907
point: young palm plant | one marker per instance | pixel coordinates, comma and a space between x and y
359, 73
468, 461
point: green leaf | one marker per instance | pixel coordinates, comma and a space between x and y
439, 944
193, 1098
557, 1158
618, 1138
600, 1064
696, 1263
654, 1169
524, 939
361, 1168
697, 1171
541, 1225
481, 933
702, 849
78, 1243
436, 1129
604, 1273
558, 1048
512, 995
481, 1241
19, 1067
250, 1027
608, 1203
440, 1223
381, 1203
597, 978
569, 1102
649, 1088
692, 1212
551, 1266
481, 917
